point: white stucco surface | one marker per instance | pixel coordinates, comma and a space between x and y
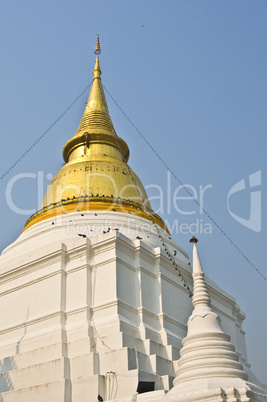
96, 314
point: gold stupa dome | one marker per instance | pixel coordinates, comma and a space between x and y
96, 175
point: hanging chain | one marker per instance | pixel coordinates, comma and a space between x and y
146, 210
189, 193
44, 133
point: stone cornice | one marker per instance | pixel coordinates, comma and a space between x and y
32, 266
34, 321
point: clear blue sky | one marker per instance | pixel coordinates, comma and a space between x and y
191, 75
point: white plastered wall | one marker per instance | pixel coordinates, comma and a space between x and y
76, 309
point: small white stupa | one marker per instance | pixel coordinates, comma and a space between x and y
209, 367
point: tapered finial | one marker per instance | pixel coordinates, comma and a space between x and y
97, 71
97, 46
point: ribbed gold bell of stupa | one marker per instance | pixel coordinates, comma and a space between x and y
96, 176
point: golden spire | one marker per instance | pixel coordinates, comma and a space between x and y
96, 175
96, 117
97, 71
97, 46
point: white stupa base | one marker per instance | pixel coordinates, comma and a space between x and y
97, 314
216, 389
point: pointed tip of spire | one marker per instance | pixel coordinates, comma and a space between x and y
96, 101
97, 71
197, 268
200, 292
97, 46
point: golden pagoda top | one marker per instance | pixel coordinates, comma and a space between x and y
95, 121
95, 175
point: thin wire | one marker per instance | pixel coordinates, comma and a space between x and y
167, 251
101, 340
46, 131
186, 189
